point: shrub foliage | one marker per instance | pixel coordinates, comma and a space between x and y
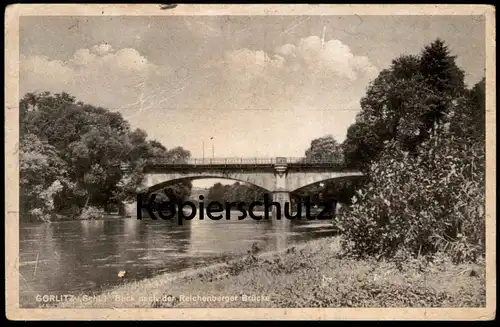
425, 159
420, 204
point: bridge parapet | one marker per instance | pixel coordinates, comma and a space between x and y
277, 163
251, 161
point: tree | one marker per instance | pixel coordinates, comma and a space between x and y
440, 70
216, 193
84, 148
181, 191
327, 149
420, 139
404, 103
236, 192
42, 174
468, 116
324, 149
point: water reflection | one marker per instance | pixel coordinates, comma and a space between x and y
282, 229
85, 256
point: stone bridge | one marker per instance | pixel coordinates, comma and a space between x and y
279, 176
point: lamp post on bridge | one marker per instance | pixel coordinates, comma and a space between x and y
203, 150
212, 147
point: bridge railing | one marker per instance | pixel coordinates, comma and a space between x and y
251, 161
229, 161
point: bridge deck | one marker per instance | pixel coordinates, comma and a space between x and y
242, 163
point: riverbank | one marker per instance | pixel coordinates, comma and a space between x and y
305, 275
63, 219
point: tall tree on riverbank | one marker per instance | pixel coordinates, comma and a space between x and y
404, 103
82, 149
420, 138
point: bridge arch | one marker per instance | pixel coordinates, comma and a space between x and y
341, 198
168, 183
264, 181
297, 182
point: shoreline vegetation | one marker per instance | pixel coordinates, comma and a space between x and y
100, 215
311, 274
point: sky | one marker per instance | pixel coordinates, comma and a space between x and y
233, 86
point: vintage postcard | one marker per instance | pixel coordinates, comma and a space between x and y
299, 162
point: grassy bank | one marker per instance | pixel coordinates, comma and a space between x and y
307, 275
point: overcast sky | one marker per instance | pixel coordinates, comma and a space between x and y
261, 86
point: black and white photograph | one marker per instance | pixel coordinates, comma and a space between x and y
292, 157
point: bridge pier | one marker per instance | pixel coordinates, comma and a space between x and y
282, 226
281, 194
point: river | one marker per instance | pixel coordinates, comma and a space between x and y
85, 257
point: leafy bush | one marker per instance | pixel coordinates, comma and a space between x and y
420, 203
39, 214
90, 213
